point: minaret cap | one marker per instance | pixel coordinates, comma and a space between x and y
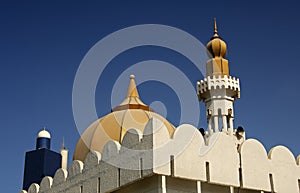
43, 140
216, 47
44, 134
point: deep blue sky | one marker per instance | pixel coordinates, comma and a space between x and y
43, 42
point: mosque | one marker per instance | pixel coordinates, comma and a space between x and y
135, 150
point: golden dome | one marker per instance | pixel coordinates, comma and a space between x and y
131, 113
216, 47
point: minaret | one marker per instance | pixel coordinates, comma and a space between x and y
40, 162
64, 155
218, 90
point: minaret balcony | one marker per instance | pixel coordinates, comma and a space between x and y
232, 84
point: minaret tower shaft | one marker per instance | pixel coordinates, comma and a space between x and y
40, 162
218, 90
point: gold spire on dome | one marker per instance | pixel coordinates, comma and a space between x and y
132, 90
132, 100
216, 51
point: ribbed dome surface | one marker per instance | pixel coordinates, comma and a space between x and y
216, 48
131, 113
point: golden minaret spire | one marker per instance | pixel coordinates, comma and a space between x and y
215, 28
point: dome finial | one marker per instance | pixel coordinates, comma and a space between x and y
132, 100
132, 90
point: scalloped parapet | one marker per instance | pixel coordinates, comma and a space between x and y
33, 188
277, 171
75, 168
185, 160
218, 82
60, 177
91, 160
254, 160
46, 184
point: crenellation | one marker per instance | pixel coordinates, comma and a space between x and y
189, 164
60, 177
284, 169
33, 188
282, 155
92, 159
156, 142
75, 169
279, 162
227, 164
210, 83
132, 138
130, 156
46, 184
110, 153
254, 175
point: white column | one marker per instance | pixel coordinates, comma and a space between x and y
230, 125
224, 126
231, 189
210, 130
64, 158
198, 187
216, 123
163, 184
